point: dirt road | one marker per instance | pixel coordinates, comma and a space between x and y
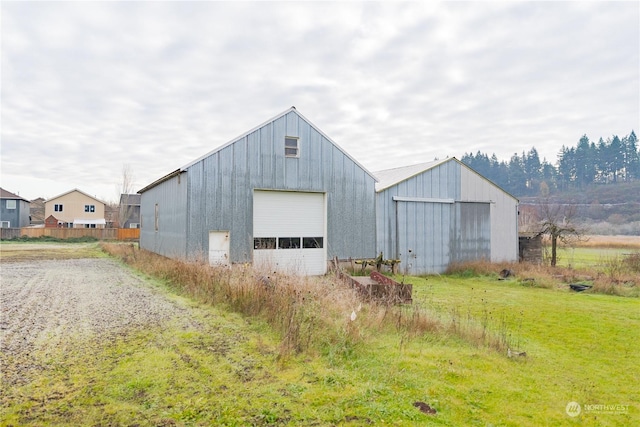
45, 303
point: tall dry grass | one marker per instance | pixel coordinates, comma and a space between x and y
309, 313
621, 274
609, 242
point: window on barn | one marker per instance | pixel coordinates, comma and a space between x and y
11, 204
312, 242
89, 208
57, 208
288, 242
291, 147
264, 243
5, 224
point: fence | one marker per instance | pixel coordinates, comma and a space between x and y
68, 233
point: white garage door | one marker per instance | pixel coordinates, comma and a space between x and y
289, 232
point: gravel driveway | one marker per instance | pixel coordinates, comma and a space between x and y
48, 303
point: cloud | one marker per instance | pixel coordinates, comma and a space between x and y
87, 87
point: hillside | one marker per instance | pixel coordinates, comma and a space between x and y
604, 209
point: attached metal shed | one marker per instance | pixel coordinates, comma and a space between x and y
283, 195
433, 214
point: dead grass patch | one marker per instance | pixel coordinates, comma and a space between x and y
610, 242
620, 276
21, 252
310, 313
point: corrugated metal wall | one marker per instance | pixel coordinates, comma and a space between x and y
425, 232
220, 188
473, 232
425, 228
474, 220
171, 198
504, 213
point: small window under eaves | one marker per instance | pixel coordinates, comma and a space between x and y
291, 148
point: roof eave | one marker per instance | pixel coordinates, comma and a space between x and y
161, 180
79, 191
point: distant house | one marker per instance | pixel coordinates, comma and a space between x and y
14, 210
76, 209
111, 215
434, 214
36, 209
129, 212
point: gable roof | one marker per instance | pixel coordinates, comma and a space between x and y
71, 191
390, 177
4, 194
284, 113
130, 199
236, 139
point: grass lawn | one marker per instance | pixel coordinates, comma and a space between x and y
580, 347
221, 368
598, 258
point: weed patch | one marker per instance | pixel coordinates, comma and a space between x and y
51, 239
308, 313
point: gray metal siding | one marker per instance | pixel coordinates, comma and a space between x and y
425, 233
441, 182
481, 224
171, 198
221, 189
504, 213
473, 232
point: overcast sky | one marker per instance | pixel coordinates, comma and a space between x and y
90, 87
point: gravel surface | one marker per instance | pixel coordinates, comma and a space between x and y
48, 303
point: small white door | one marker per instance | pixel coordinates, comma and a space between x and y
218, 248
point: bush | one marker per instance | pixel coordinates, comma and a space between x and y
632, 262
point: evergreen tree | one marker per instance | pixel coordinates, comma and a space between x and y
602, 164
576, 167
532, 169
584, 163
566, 167
517, 176
549, 175
632, 157
616, 157
499, 171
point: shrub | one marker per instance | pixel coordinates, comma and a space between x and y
632, 262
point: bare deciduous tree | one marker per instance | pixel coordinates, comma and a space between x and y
558, 221
124, 190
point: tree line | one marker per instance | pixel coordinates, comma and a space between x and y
605, 162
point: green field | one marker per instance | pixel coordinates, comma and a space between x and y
597, 258
228, 369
